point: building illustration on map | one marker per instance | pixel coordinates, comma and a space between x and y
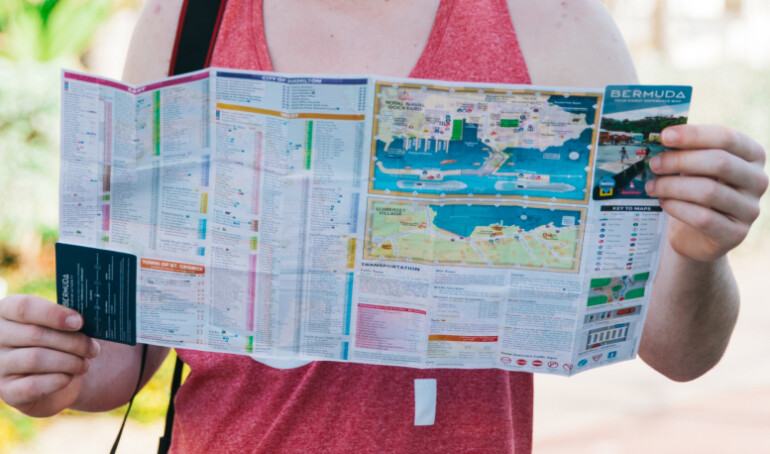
443, 142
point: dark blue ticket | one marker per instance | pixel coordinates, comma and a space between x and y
101, 286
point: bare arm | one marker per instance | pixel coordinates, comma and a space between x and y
113, 374
711, 188
694, 303
149, 54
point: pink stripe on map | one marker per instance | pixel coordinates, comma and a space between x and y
97, 80
175, 81
106, 218
252, 291
258, 166
389, 308
140, 89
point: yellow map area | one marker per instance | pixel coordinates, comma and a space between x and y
405, 231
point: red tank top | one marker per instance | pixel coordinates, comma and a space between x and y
233, 404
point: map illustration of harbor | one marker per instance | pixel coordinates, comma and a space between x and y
445, 142
477, 235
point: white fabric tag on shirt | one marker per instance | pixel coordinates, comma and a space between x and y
424, 401
281, 363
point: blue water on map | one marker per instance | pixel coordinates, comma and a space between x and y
414, 153
558, 163
471, 153
462, 219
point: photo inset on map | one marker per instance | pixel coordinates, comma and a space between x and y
619, 288
477, 235
629, 137
445, 142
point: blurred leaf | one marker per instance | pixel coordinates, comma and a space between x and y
71, 25
15, 427
29, 133
23, 34
49, 29
44, 288
7, 9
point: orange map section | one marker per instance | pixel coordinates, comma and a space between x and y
174, 267
289, 115
453, 338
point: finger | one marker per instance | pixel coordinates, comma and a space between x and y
708, 222
708, 193
17, 335
33, 361
701, 137
713, 163
38, 311
25, 390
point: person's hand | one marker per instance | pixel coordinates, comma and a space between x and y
710, 186
42, 357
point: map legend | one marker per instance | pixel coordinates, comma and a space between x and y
625, 238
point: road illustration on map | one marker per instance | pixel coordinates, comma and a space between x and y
618, 288
443, 142
475, 235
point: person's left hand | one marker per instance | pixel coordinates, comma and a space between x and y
710, 185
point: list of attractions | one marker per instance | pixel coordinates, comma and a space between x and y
375, 220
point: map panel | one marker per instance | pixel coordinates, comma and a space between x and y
445, 142
477, 235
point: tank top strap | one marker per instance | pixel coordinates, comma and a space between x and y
473, 40
241, 42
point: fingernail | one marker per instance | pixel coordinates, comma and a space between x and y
670, 136
86, 365
649, 186
95, 348
655, 163
73, 321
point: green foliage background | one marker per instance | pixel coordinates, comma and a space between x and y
46, 30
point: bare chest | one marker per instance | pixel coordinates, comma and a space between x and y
385, 37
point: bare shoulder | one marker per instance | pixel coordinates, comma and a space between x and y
571, 42
149, 54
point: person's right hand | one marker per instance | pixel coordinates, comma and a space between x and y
42, 356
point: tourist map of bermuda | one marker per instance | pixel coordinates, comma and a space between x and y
447, 142
359, 218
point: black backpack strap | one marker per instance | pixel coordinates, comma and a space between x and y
131, 402
176, 381
195, 36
